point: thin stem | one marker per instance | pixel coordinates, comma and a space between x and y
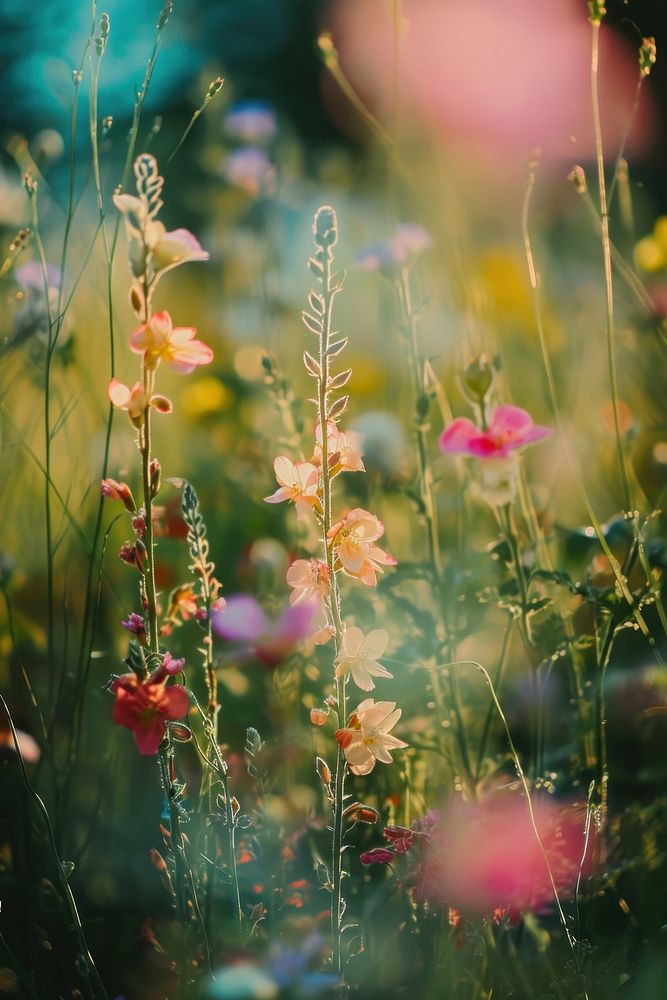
606, 255
430, 515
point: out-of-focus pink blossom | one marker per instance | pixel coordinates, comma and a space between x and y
502, 77
510, 428
486, 855
377, 856
353, 539
270, 640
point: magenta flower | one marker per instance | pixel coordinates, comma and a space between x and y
270, 640
510, 428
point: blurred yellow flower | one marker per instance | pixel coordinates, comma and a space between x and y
205, 398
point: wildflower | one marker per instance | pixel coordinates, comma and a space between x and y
251, 121
298, 481
182, 606
358, 656
367, 739
146, 708
159, 341
135, 401
396, 251
119, 491
38, 298
135, 624
243, 620
309, 579
343, 450
510, 428
352, 539
149, 241
250, 169
134, 554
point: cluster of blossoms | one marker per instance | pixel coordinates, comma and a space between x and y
145, 701
495, 444
349, 541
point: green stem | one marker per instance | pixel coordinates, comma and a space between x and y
430, 515
606, 255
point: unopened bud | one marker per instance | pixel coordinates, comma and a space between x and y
137, 299
478, 378
359, 813
319, 716
155, 476
325, 227
323, 770
577, 177
596, 11
236, 807
165, 14
647, 56
214, 87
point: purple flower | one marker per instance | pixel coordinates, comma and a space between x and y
270, 640
135, 624
396, 251
251, 169
251, 121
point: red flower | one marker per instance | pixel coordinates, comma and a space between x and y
146, 708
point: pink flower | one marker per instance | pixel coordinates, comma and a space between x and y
159, 341
146, 708
309, 580
298, 481
366, 738
343, 450
135, 624
485, 854
353, 538
243, 620
150, 243
134, 400
510, 428
377, 856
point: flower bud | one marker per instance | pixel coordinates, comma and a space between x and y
323, 770
356, 812
325, 227
647, 56
319, 716
478, 378
155, 476
119, 491
577, 177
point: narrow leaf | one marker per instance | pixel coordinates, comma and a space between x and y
337, 346
311, 365
338, 381
312, 322
337, 409
316, 302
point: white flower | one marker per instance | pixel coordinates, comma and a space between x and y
358, 656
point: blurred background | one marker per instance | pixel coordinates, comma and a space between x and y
451, 103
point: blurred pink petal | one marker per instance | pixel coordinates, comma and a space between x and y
506, 77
